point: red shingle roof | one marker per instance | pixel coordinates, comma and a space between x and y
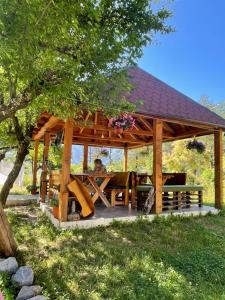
161, 100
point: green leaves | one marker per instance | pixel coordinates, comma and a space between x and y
81, 43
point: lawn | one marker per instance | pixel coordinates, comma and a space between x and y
177, 258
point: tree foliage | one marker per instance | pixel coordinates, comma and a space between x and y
61, 54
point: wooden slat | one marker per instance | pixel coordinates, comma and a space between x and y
218, 154
65, 174
157, 164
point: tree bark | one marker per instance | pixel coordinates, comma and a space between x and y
7, 243
20, 157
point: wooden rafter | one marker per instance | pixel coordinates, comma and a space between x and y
146, 123
53, 121
85, 120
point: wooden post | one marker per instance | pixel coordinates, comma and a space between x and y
125, 159
85, 159
65, 173
218, 157
36, 144
43, 191
157, 163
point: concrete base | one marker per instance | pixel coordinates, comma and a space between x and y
105, 216
21, 200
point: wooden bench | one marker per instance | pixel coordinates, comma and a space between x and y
173, 196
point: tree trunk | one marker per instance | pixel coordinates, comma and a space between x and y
20, 157
7, 242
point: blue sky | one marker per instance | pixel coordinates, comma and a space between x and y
192, 59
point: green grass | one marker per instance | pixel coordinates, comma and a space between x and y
166, 259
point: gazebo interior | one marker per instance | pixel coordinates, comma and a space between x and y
166, 115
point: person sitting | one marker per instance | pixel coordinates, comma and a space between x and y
99, 167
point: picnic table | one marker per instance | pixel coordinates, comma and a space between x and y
98, 189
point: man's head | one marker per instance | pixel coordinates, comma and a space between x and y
98, 162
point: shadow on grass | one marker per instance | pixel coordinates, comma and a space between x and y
165, 259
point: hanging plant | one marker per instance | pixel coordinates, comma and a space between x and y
104, 152
196, 145
121, 123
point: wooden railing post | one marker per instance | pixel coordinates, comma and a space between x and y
125, 166
43, 191
85, 158
35, 163
157, 163
218, 157
65, 173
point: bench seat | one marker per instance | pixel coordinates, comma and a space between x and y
171, 188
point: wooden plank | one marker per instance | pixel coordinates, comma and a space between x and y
43, 190
218, 156
53, 121
157, 163
35, 162
85, 158
65, 173
125, 159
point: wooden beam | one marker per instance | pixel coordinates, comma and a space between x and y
218, 154
179, 121
125, 159
43, 190
85, 158
65, 173
140, 132
53, 121
157, 163
35, 163
113, 139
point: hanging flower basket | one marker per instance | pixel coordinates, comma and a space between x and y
196, 145
123, 122
104, 152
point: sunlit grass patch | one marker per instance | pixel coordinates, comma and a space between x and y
173, 258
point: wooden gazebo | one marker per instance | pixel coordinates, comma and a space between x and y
166, 115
